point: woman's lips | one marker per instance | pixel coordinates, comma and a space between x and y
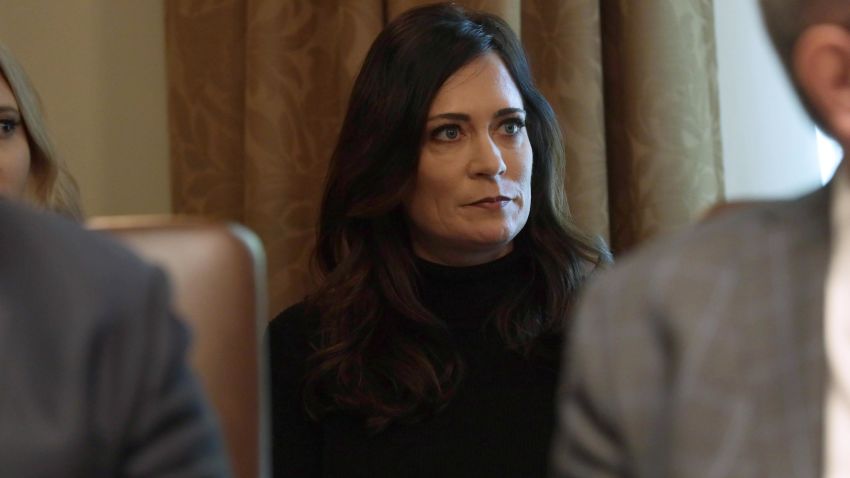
496, 202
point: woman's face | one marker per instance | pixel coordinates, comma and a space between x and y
473, 183
14, 149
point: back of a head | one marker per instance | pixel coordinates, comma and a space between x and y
783, 20
786, 20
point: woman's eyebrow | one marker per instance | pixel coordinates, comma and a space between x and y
466, 117
508, 111
9, 109
451, 116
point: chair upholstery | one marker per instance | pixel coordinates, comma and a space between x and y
217, 274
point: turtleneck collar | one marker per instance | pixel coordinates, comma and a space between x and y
431, 271
467, 296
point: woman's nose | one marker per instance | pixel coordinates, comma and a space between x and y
487, 158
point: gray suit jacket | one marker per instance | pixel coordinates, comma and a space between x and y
702, 355
93, 376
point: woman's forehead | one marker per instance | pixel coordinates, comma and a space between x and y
483, 82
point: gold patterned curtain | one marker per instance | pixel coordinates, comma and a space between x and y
258, 90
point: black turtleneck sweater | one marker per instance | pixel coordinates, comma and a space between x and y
497, 425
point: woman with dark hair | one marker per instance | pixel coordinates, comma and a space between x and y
449, 266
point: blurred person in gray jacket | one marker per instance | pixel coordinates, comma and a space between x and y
724, 351
94, 380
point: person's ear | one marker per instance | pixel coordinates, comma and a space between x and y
821, 64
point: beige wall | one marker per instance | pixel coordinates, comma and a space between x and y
99, 66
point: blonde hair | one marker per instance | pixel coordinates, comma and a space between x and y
50, 185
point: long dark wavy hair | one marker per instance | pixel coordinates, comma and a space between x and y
380, 352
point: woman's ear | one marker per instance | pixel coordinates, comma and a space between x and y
821, 64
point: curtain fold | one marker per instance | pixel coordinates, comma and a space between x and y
661, 115
205, 65
301, 59
258, 90
509, 10
564, 48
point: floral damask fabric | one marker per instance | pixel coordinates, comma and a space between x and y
258, 90
661, 116
565, 51
204, 55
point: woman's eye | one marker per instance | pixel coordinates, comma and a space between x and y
512, 127
446, 133
8, 127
